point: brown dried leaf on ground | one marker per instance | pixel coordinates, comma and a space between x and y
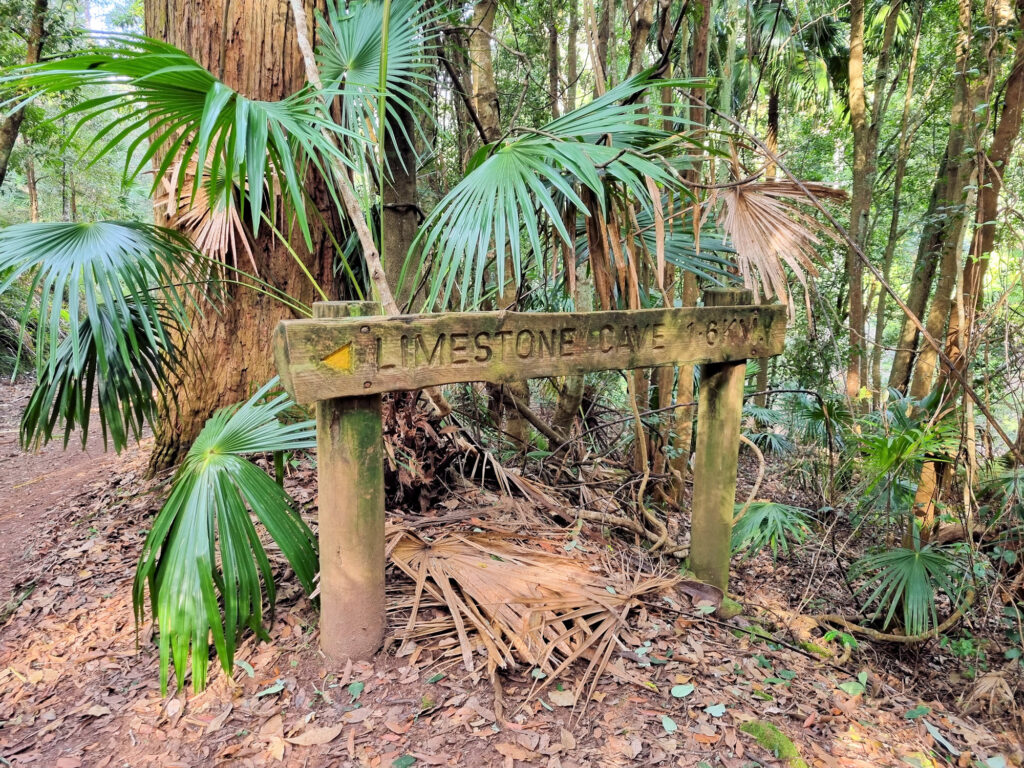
523, 606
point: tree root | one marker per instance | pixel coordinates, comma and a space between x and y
830, 621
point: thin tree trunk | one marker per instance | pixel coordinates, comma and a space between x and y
554, 78
252, 45
571, 66
990, 183
860, 199
33, 189
401, 204
902, 155
11, 126
485, 102
942, 213
642, 21
682, 439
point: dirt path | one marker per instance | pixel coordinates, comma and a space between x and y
33, 486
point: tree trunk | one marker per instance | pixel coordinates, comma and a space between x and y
642, 20
11, 126
401, 204
33, 189
251, 46
485, 101
902, 155
682, 435
571, 73
990, 183
554, 78
943, 210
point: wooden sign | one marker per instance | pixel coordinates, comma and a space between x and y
346, 356
321, 359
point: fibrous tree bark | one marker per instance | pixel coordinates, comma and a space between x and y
251, 46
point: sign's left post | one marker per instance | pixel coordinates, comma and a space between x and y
350, 480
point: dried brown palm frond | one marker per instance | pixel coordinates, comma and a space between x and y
210, 219
769, 233
520, 605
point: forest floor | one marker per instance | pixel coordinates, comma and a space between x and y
79, 688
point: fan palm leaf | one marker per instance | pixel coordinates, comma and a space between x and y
128, 268
907, 580
150, 91
519, 185
769, 524
351, 49
124, 393
204, 549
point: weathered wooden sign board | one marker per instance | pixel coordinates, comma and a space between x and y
344, 357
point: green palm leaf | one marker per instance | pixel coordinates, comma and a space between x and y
90, 364
907, 580
350, 52
152, 92
768, 524
515, 187
118, 276
203, 554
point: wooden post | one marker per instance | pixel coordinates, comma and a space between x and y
350, 479
719, 409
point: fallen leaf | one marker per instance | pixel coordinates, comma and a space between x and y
515, 751
312, 736
218, 722
669, 724
97, 711
562, 698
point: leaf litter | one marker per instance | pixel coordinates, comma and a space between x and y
76, 691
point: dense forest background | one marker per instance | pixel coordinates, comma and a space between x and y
166, 200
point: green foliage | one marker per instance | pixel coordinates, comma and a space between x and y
203, 542
89, 364
514, 185
127, 266
152, 92
349, 59
768, 524
907, 580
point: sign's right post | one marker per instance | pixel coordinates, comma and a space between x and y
719, 411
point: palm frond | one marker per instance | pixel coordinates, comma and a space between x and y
204, 544
768, 233
74, 268
125, 393
907, 580
768, 524
521, 605
350, 52
519, 188
152, 92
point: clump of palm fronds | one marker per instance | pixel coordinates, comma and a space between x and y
522, 606
769, 233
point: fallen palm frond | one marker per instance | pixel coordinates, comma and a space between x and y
769, 233
520, 605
